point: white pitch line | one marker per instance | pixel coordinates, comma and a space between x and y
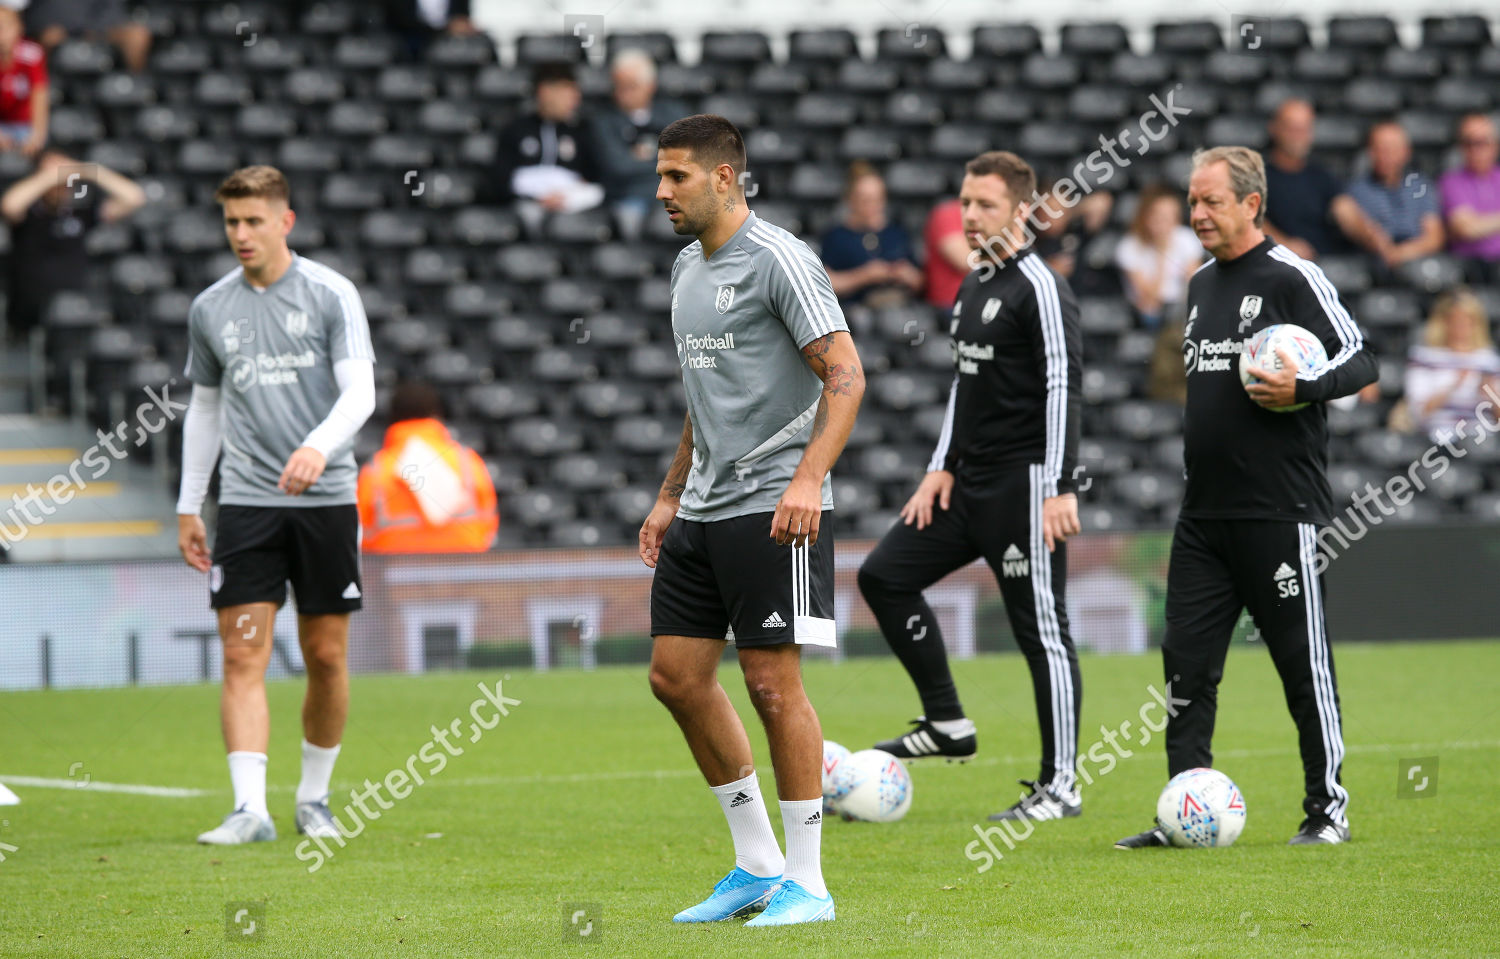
685, 772
170, 792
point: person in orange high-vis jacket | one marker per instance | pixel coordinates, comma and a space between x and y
425, 492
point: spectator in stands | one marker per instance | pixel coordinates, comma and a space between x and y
547, 159
1471, 199
53, 21
947, 254
1066, 241
51, 212
626, 134
869, 257
24, 103
1158, 255
419, 21
1448, 372
425, 492
1307, 210
1402, 203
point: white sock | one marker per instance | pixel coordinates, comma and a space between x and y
317, 770
755, 848
802, 821
247, 771
954, 728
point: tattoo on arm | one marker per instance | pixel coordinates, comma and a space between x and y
838, 378
682, 462
820, 419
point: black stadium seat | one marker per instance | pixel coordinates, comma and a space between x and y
554, 348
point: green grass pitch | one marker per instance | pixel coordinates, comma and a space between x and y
584, 797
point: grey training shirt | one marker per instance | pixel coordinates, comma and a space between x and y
271, 353
740, 319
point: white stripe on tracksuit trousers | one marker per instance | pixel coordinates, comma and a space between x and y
1049, 630
1321, 663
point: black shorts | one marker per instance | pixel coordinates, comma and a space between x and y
729, 580
258, 549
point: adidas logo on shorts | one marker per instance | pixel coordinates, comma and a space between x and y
773, 621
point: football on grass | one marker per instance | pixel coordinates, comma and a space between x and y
873, 786
833, 755
1202, 808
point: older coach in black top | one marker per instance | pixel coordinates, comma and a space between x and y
1257, 489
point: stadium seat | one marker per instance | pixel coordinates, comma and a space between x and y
1349, 274
1372, 96
1141, 71
1390, 450
518, 333
959, 142
341, 191
570, 363
918, 179
645, 434
738, 47
468, 51
1050, 72
1199, 37
1462, 32
1146, 419
1093, 39
1230, 68
258, 121
1010, 107
608, 399
1147, 489
274, 54
183, 56
81, 58
1247, 131
1102, 518
955, 76
1098, 103
315, 85
539, 508
877, 144
915, 41
622, 261
391, 229
434, 267
741, 110
215, 89
1012, 41
1102, 384
914, 108
138, 274
484, 226
1431, 274
1365, 35
1389, 308
682, 82
533, 48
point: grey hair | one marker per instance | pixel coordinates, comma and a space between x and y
1247, 172
637, 59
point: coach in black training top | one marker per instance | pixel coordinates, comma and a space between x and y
1002, 479
1257, 492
